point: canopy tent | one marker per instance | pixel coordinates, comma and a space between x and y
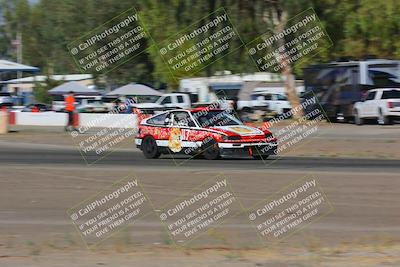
43, 78
9, 66
74, 87
134, 89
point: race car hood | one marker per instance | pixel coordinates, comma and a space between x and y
239, 130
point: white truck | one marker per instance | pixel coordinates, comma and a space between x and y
274, 102
168, 101
382, 104
271, 102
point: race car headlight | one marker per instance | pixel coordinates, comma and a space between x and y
231, 138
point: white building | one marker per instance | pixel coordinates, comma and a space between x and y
231, 84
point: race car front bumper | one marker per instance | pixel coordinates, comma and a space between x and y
248, 149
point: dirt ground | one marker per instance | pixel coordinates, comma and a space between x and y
363, 229
346, 255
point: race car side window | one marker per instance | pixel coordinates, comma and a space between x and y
158, 120
182, 119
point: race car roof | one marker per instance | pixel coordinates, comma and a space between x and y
204, 109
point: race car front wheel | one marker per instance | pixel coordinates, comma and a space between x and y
150, 148
211, 150
259, 157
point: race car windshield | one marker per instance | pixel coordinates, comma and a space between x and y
215, 118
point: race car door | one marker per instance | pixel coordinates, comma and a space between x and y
160, 128
182, 131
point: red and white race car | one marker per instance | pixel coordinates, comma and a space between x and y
208, 132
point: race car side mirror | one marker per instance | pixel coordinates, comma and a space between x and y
166, 121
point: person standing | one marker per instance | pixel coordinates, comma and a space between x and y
70, 108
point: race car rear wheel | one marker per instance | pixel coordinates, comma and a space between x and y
211, 150
150, 148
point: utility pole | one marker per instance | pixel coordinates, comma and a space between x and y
17, 44
19, 52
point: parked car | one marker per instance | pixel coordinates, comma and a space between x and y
86, 105
110, 101
39, 107
5, 99
208, 132
168, 101
58, 103
83, 103
274, 102
381, 104
339, 85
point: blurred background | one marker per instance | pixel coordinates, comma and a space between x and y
37, 32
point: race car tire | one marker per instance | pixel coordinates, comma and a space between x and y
198, 156
259, 157
211, 150
150, 148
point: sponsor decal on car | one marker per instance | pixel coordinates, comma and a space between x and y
175, 140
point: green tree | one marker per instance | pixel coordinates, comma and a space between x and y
41, 92
373, 28
357, 28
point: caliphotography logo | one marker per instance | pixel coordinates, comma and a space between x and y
200, 44
200, 210
102, 134
111, 44
109, 211
289, 210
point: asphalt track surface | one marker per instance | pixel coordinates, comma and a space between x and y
41, 182
36, 154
